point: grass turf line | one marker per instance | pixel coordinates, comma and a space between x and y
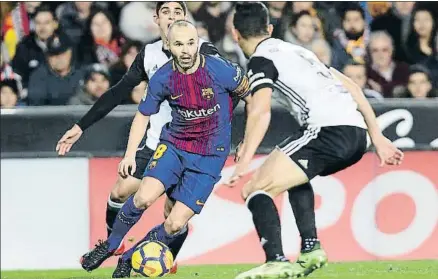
354, 270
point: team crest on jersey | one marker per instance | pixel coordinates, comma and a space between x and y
207, 93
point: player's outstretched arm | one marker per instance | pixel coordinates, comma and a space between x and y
105, 104
386, 151
257, 123
138, 128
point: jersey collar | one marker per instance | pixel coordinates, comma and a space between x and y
262, 41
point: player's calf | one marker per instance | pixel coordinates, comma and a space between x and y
122, 190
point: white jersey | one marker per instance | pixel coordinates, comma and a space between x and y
314, 96
156, 56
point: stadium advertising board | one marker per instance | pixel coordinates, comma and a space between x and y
363, 213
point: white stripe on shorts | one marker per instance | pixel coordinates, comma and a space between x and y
294, 146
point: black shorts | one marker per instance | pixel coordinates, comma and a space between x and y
325, 150
142, 158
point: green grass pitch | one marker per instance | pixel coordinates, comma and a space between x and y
359, 270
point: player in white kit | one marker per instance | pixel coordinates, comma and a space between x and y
146, 63
334, 116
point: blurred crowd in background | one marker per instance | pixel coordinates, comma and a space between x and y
70, 53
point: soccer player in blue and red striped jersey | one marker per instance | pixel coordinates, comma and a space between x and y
193, 146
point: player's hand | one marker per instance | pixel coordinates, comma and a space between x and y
240, 170
127, 167
388, 153
68, 139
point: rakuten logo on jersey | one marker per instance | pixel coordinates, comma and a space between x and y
197, 114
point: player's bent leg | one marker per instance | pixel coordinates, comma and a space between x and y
276, 175
122, 190
177, 244
150, 190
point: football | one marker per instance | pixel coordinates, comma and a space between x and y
152, 259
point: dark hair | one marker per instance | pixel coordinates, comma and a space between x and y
128, 45
181, 3
251, 19
297, 17
45, 9
352, 7
418, 68
12, 83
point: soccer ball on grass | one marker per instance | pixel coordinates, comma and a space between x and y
152, 259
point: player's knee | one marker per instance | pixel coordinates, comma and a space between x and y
141, 201
119, 195
256, 185
174, 225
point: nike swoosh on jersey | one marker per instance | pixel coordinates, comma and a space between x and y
175, 97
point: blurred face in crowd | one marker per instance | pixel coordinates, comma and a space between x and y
8, 98
202, 32
381, 51
168, 13
276, 8
322, 51
353, 24
97, 85
83, 6
129, 58
419, 85
101, 27
45, 25
183, 44
404, 8
304, 29
301, 6
423, 23
357, 73
31, 6
61, 62
138, 92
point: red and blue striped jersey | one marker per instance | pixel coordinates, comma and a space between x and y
201, 104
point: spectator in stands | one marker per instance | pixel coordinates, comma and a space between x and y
128, 54
384, 74
56, 81
420, 83
137, 21
301, 31
229, 48
214, 17
322, 50
102, 41
95, 83
17, 24
9, 93
202, 31
396, 22
350, 41
276, 12
30, 51
357, 72
73, 17
422, 44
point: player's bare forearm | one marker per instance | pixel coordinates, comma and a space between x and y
363, 105
257, 123
138, 129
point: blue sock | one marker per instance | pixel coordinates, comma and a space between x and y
158, 233
128, 216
